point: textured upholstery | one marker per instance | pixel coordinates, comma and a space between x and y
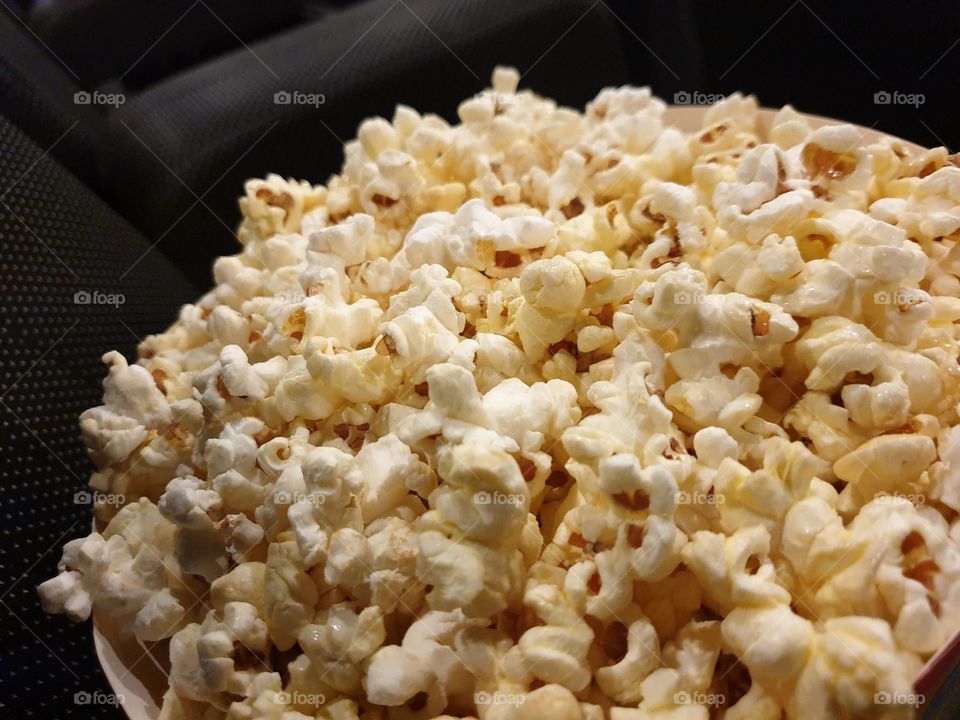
37, 93
143, 42
57, 239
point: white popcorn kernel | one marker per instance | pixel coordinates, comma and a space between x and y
239, 377
787, 640
244, 535
505, 80
347, 240
289, 594
789, 128
65, 594
187, 503
558, 654
385, 465
720, 564
395, 675
555, 284
619, 681
885, 464
376, 136
227, 326
713, 444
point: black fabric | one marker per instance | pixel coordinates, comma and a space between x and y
37, 94
663, 44
57, 239
143, 42
817, 56
202, 133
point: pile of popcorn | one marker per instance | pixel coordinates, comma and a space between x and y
550, 415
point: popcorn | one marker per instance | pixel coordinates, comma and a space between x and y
129, 568
757, 204
887, 463
556, 651
731, 570
133, 405
787, 639
549, 414
851, 658
395, 675
619, 681
473, 237
762, 497
892, 552
335, 645
289, 594
275, 205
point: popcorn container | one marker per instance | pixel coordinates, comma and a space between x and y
137, 673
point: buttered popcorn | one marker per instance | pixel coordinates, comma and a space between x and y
554, 415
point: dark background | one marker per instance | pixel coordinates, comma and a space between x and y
139, 198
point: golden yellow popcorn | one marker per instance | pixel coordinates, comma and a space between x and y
550, 415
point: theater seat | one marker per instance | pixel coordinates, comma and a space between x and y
143, 42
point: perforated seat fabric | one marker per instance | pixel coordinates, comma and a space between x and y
203, 132
57, 239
